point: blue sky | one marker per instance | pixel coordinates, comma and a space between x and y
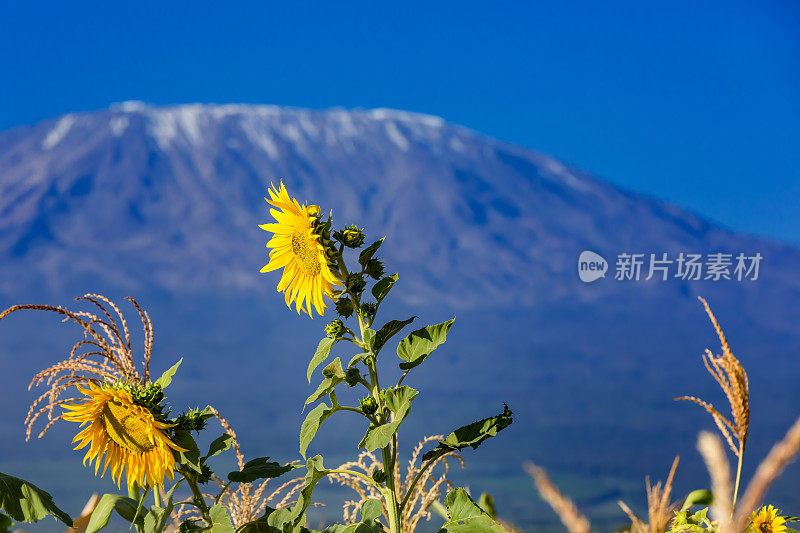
694, 102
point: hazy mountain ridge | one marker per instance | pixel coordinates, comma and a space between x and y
163, 203
170, 197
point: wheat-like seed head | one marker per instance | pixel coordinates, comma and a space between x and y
659, 509
565, 508
732, 379
713, 453
428, 489
103, 355
249, 501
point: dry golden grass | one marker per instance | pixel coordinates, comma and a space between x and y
565, 508
659, 508
104, 354
427, 490
729, 373
249, 501
713, 453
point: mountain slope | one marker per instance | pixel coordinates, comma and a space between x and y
163, 203
158, 192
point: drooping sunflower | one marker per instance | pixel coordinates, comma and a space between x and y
298, 248
767, 520
127, 430
128, 434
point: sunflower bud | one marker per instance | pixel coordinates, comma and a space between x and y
335, 329
352, 376
314, 211
149, 396
344, 307
193, 420
375, 269
379, 476
189, 525
367, 311
355, 283
205, 475
351, 236
368, 405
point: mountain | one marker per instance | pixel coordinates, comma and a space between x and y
163, 203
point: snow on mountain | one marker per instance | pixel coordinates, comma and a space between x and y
170, 197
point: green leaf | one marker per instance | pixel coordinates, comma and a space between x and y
166, 377
25, 502
334, 375
155, 521
471, 435
388, 331
371, 509
367, 253
382, 288
486, 502
126, 507
311, 425
5, 523
466, 517
220, 521
419, 344
357, 358
219, 445
698, 497
316, 471
369, 338
323, 349
260, 524
191, 457
260, 468
398, 399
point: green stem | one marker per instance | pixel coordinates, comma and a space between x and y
738, 475
413, 484
157, 496
390, 493
199, 501
224, 488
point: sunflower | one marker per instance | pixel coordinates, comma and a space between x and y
767, 520
128, 434
298, 248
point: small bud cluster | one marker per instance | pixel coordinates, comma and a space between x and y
368, 405
351, 236
335, 329
379, 476
150, 397
367, 311
355, 283
193, 420
352, 376
375, 269
344, 306
205, 474
323, 229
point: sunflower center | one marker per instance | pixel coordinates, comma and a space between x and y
766, 527
306, 252
126, 428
